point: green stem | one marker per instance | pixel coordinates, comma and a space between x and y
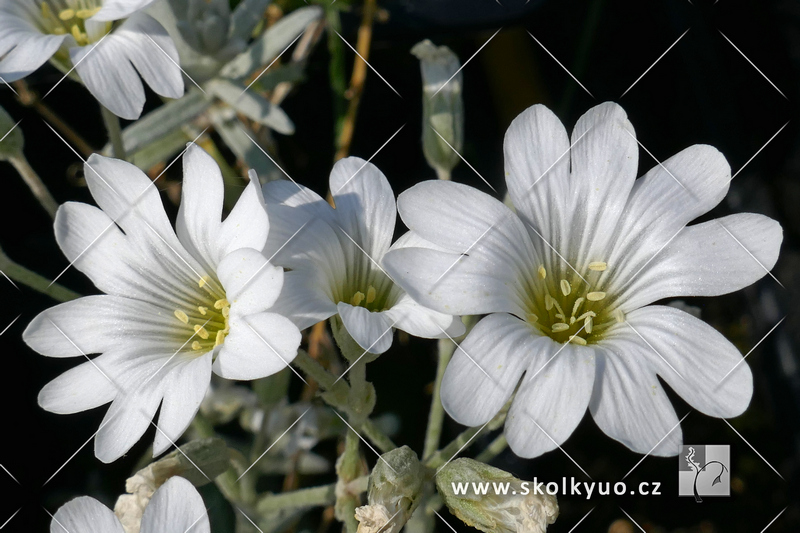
447, 453
312, 368
493, 450
436, 415
35, 281
114, 132
321, 496
336, 68
378, 437
35, 184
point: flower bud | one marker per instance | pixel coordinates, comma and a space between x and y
518, 510
442, 107
11, 135
395, 487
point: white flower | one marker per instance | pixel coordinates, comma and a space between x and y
175, 307
567, 281
105, 54
334, 258
176, 507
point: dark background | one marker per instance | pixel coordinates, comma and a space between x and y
702, 91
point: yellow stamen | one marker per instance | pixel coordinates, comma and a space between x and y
566, 288
598, 266
548, 302
542, 272
560, 326
196, 345
587, 324
619, 315
87, 13
201, 331
595, 296
587, 313
357, 298
203, 310
578, 340
76, 33
46, 13
371, 292
180, 315
66, 15
532, 318
220, 338
226, 311
577, 305
203, 281
221, 303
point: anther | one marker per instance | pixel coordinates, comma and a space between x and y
566, 288
180, 315
66, 15
221, 303
87, 13
577, 305
220, 338
587, 313
203, 310
532, 318
196, 345
542, 272
619, 315
371, 292
598, 266
578, 340
203, 281
357, 298
560, 326
587, 324
548, 302
595, 296
201, 331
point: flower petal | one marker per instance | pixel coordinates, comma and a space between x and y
126, 421
86, 515
119, 9
176, 507
184, 389
303, 301
247, 225
258, 346
708, 259
251, 283
701, 365
551, 400
630, 405
420, 321
365, 206
372, 331
84, 387
457, 284
486, 368
31, 51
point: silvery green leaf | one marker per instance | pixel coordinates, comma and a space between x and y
271, 43
251, 105
232, 131
246, 16
161, 149
162, 122
12, 139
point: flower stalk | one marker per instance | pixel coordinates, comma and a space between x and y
114, 130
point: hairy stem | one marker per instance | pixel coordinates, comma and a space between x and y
35, 184
114, 132
17, 272
436, 415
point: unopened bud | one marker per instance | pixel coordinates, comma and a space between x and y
513, 509
12, 140
395, 487
442, 106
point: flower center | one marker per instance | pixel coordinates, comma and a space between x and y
69, 17
571, 310
208, 322
371, 299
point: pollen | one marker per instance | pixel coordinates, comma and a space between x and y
542, 272
66, 15
560, 326
197, 346
587, 324
371, 293
357, 298
180, 315
222, 303
203, 310
595, 296
566, 288
577, 340
598, 266
201, 331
